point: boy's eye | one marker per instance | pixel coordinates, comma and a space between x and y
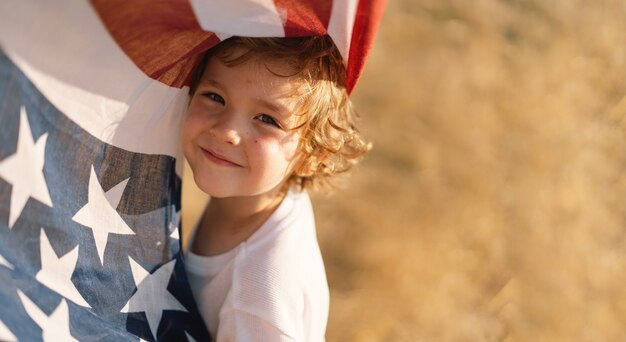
214, 97
268, 120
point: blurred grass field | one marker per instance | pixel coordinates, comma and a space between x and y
492, 207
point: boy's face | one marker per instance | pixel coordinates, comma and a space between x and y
236, 134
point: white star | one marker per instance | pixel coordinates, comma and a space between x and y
175, 234
173, 226
24, 170
100, 215
56, 273
152, 296
55, 327
189, 338
5, 333
4, 262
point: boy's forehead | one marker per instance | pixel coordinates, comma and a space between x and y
271, 78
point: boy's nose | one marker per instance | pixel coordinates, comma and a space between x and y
232, 137
227, 130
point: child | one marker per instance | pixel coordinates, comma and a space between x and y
268, 119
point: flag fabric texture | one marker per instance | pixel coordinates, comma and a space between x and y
92, 95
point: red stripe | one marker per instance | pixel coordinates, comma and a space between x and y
163, 38
368, 16
305, 17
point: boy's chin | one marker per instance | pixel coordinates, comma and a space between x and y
202, 184
216, 189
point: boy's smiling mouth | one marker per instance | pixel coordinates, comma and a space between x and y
218, 158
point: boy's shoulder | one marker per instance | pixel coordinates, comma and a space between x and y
280, 273
292, 219
277, 253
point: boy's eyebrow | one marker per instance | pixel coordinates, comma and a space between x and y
273, 107
267, 104
213, 82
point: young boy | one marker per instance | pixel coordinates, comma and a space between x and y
268, 119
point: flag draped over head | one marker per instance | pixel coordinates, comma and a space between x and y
92, 95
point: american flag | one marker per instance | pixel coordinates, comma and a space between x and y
91, 99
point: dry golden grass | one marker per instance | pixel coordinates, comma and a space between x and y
492, 207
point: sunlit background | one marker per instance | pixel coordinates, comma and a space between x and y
493, 205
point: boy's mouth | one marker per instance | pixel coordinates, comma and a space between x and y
218, 158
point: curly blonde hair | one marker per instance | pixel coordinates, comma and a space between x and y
330, 142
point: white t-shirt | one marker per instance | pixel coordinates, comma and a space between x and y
272, 287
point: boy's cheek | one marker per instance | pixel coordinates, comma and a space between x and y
188, 152
190, 123
188, 135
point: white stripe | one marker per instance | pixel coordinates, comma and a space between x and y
341, 24
222, 36
64, 49
252, 18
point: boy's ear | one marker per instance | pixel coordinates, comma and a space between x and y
305, 170
309, 165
